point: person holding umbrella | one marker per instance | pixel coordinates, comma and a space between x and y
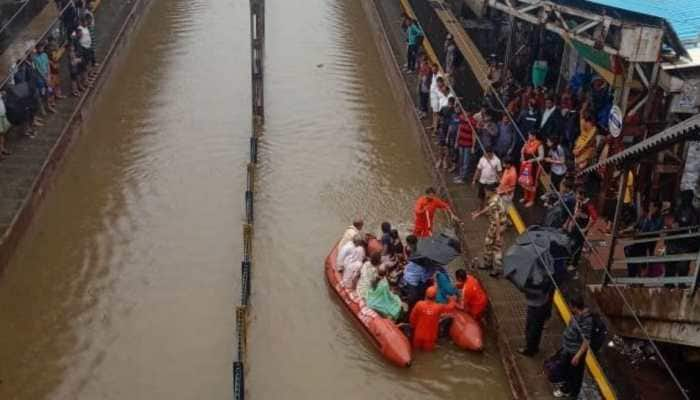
529, 264
424, 213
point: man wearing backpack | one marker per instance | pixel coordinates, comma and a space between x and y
575, 343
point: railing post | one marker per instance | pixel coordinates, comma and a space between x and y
697, 276
616, 223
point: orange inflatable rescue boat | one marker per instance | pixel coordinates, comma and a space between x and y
465, 332
385, 334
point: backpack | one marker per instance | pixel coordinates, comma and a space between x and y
599, 333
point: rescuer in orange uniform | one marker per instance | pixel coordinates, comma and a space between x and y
425, 320
424, 211
474, 298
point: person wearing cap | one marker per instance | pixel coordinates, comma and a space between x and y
424, 212
493, 242
425, 320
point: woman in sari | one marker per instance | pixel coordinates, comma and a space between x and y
584, 148
531, 153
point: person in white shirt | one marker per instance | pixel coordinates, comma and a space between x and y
488, 173
352, 266
435, 95
85, 42
345, 250
368, 274
351, 231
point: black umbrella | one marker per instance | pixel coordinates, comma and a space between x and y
530, 261
436, 250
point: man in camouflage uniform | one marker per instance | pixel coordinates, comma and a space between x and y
493, 243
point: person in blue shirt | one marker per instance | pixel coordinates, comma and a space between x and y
414, 38
445, 288
387, 241
413, 283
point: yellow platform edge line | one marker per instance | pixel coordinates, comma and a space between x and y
592, 363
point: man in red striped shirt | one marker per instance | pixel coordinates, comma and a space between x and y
465, 144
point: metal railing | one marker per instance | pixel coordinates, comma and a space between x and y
690, 281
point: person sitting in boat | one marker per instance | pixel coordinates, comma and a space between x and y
425, 320
351, 251
424, 211
345, 250
368, 274
412, 283
397, 245
411, 245
352, 265
351, 231
474, 298
382, 299
444, 286
387, 243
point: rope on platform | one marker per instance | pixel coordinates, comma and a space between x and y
257, 41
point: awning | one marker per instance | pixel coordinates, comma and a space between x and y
686, 130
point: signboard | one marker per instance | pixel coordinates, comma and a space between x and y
641, 43
615, 121
687, 101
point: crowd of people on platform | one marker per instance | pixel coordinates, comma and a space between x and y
531, 137
381, 273
35, 86
539, 140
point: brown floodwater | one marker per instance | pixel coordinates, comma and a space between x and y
125, 285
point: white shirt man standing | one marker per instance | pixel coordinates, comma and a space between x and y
488, 173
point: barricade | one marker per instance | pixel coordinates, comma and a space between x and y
257, 40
